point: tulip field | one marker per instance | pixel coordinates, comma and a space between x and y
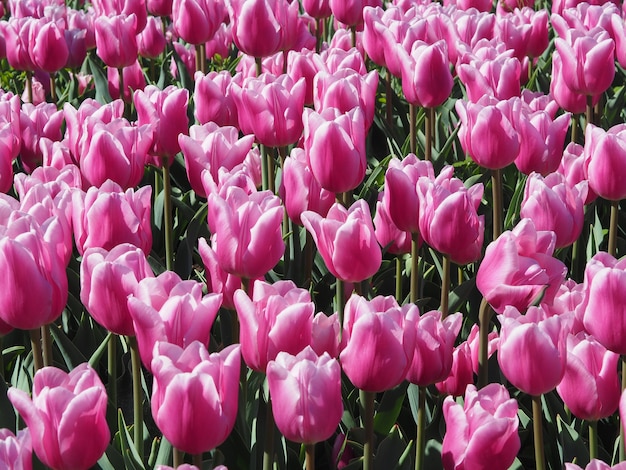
312, 234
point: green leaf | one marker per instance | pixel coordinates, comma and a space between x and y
100, 80
70, 353
390, 452
571, 444
389, 409
129, 453
99, 352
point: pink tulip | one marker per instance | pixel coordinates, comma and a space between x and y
188, 58
527, 341
537, 41
213, 98
305, 64
16, 452
206, 385
350, 12
271, 108
116, 40
151, 41
318, 9
49, 50
481, 433
590, 387
434, 345
107, 278
247, 228
448, 217
426, 77
596, 464
487, 131
380, 342
497, 76
277, 318
166, 308
123, 7
346, 241
568, 99
604, 153
107, 216
43, 120
54, 180
133, 80
461, 374
554, 206
301, 191
336, 58
518, 268
221, 42
256, 30
196, 21
168, 110
159, 7
389, 236
16, 34
66, 417
572, 167
331, 137
325, 333
604, 306
293, 382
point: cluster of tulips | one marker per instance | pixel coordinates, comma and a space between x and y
187, 184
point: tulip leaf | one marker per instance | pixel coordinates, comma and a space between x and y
129, 453
571, 444
100, 80
70, 353
161, 452
111, 459
389, 409
513, 209
99, 352
391, 453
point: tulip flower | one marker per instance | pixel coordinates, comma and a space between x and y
277, 318
481, 433
196, 21
380, 342
332, 139
49, 50
389, 236
16, 34
325, 334
43, 120
159, 7
604, 154
317, 8
16, 451
116, 40
166, 308
133, 79
213, 98
528, 341
107, 278
247, 228
461, 374
426, 77
195, 395
345, 238
256, 29
572, 167
590, 387
350, 12
151, 41
518, 268
596, 464
308, 389
107, 216
123, 7
66, 417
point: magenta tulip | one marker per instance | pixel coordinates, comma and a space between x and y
317, 8
194, 395
66, 417
151, 41
123, 7
196, 21
518, 268
596, 464
481, 433
325, 334
590, 387
49, 50
256, 29
107, 278
213, 98
16, 34
572, 167
37, 122
116, 40
461, 374
605, 153
426, 77
389, 236
16, 452
346, 241
380, 342
350, 12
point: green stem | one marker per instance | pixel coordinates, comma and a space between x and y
484, 318
259, 65
388, 100
538, 433
593, 439
341, 303
429, 116
1, 359
445, 286
271, 171
178, 458
35, 342
137, 395
198, 58
613, 228
353, 35
421, 431
268, 449
318, 35
496, 191
574, 128
575, 259
399, 279
29, 86
46, 343
203, 58
412, 129
589, 110
309, 449
308, 259
112, 373
167, 215
415, 287
53, 90
264, 168
197, 460
346, 199
367, 404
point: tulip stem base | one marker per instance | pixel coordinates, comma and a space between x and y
309, 449
484, 319
412, 128
197, 460
367, 407
46, 345
35, 341
421, 431
613, 228
496, 191
538, 433
593, 439
137, 395
429, 126
268, 448
112, 373
179, 457
415, 256
167, 215
445, 286
341, 303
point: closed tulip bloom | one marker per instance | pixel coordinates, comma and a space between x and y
481, 433
325, 333
333, 140
518, 268
308, 388
36, 122
380, 342
116, 40
277, 318
590, 387
461, 374
16, 452
426, 77
434, 345
317, 8
572, 167
389, 236
6, 159
123, 7
568, 99
16, 34
166, 308
271, 108
448, 217
346, 241
605, 305
596, 464
554, 206
107, 216
487, 131
350, 12
151, 41
66, 417
168, 110
196, 21
49, 50
213, 99
605, 153
195, 394
107, 279
256, 30
300, 190
247, 228
498, 76
159, 7
532, 352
